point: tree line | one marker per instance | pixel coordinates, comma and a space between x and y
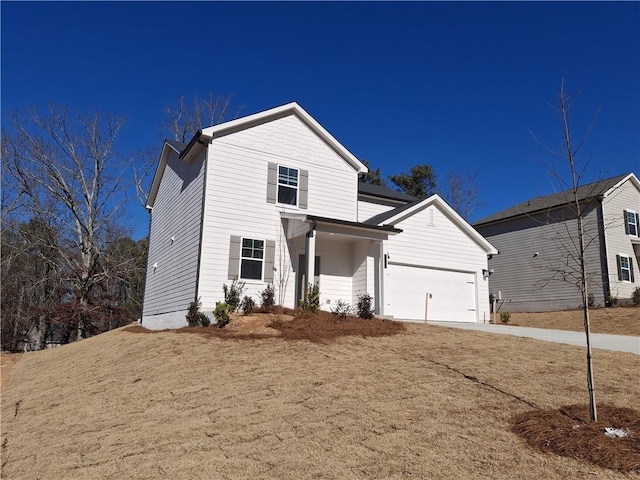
69, 265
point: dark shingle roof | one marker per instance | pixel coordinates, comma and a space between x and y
537, 204
383, 192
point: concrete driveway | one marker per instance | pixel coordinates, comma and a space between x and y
618, 343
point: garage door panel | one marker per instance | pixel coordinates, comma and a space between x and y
451, 295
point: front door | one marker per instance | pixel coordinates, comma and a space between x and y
301, 277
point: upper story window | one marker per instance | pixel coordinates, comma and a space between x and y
631, 222
288, 185
251, 259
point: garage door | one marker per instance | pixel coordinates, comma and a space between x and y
451, 295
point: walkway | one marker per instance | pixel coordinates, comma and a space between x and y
619, 343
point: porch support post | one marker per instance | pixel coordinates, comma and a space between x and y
311, 257
381, 272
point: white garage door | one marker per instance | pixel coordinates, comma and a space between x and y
452, 295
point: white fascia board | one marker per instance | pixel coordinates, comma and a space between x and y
162, 164
630, 177
279, 112
451, 214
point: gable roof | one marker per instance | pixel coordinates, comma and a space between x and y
398, 214
205, 136
381, 191
279, 112
598, 189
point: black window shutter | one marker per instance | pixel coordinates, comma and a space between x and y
234, 258
631, 269
619, 268
626, 222
272, 183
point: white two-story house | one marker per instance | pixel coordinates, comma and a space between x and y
274, 198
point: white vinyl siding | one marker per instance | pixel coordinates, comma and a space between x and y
237, 192
366, 209
174, 238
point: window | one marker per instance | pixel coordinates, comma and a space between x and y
631, 221
251, 259
287, 185
625, 268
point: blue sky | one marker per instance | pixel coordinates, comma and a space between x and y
457, 85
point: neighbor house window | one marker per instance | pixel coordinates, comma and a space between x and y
631, 221
625, 268
287, 185
251, 259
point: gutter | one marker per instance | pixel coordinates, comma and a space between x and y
193, 142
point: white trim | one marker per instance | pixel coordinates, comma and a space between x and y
451, 214
240, 257
631, 177
282, 111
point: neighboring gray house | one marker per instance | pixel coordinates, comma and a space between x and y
273, 197
537, 268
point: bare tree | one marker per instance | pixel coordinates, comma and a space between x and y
69, 177
574, 250
462, 192
181, 122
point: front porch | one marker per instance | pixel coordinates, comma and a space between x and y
345, 259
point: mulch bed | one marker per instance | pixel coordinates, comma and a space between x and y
568, 432
321, 327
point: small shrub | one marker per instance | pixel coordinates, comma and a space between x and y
365, 306
342, 309
591, 300
233, 294
222, 314
268, 297
611, 300
247, 305
311, 301
505, 317
195, 318
635, 296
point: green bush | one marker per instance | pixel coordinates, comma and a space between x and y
311, 301
610, 300
635, 296
365, 306
195, 318
233, 294
591, 300
268, 297
505, 317
342, 309
247, 305
222, 314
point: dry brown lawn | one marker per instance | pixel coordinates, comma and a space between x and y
427, 402
616, 321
